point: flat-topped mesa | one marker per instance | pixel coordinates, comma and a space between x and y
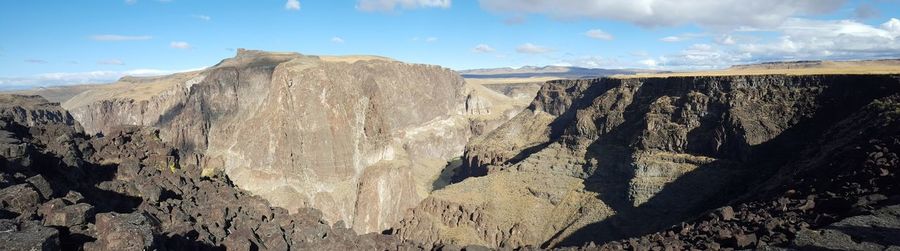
602, 159
360, 138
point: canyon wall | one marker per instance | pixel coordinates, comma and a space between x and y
63, 190
359, 138
610, 158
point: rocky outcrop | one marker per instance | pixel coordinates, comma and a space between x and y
127, 191
31, 110
842, 196
642, 154
361, 139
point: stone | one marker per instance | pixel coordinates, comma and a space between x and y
7, 225
21, 199
744, 240
73, 197
149, 192
831, 239
122, 232
41, 185
32, 237
727, 213
63, 215
475, 248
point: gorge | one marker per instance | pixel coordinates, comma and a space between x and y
278, 151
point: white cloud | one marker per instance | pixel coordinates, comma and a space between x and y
650, 13
892, 26
391, 5
292, 5
180, 45
203, 17
529, 48
798, 39
701, 56
111, 62
841, 39
483, 48
427, 39
726, 40
671, 39
649, 63
591, 62
337, 40
73, 78
113, 37
598, 34
682, 37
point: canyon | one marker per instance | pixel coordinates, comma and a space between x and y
279, 151
360, 138
613, 158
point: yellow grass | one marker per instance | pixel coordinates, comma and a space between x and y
825, 68
352, 58
141, 89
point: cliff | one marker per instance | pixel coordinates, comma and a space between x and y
63, 190
610, 158
359, 138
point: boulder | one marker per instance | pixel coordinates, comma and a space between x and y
32, 236
21, 199
42, 186
122, 232
57, 213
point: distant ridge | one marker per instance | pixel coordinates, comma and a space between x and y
800, 64
546, 71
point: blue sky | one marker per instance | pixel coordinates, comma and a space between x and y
67, 42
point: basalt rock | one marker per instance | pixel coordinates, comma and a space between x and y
126, 190
29, 236
600, 160
306, 131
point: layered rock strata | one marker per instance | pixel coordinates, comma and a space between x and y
362, 138
61, 189
603, 159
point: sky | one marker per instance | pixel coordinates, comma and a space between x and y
57, 42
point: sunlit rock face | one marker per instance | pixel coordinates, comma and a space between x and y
359, 138
601, 159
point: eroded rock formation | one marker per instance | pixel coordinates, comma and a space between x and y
61, 189
604, 159
361, 139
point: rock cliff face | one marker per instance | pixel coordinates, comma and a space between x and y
361, 139
32, 110
61, 189
603, 159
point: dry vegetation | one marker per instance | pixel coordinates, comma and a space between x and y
353, 58
792, 68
